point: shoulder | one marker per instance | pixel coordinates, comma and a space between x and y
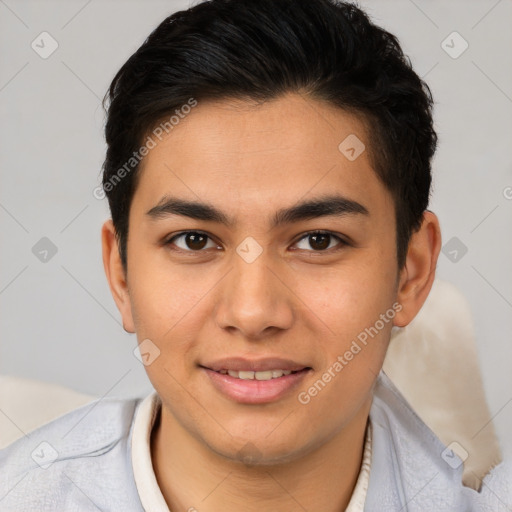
411, 468
79, 461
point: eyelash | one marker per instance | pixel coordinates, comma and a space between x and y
342, 243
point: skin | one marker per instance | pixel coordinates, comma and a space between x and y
294, 301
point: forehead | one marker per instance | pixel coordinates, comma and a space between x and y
245, 155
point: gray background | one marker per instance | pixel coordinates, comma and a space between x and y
58, 320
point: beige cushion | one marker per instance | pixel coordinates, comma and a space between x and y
25, 404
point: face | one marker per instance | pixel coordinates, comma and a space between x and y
288, 264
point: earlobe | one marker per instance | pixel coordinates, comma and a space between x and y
115, 274
418, 274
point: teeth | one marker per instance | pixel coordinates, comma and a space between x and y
249, 375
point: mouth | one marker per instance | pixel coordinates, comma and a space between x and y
262, 375
247, 385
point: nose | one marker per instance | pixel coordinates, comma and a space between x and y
254, 299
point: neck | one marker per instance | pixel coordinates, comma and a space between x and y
193, 477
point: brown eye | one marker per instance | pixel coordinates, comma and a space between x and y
320, 241
191, 241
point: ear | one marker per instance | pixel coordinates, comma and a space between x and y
419, 271
115, 274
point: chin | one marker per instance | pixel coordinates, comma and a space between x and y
260, 451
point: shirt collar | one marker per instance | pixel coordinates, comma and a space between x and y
150, 494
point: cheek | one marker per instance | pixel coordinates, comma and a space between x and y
352, 348
347, 300
169, 310
354, 336
160, 294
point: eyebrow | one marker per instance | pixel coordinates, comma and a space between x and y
332, 205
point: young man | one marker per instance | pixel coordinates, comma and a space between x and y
268, 174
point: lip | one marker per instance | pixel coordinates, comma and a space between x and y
255, 391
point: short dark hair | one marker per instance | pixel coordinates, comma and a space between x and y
260, 50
